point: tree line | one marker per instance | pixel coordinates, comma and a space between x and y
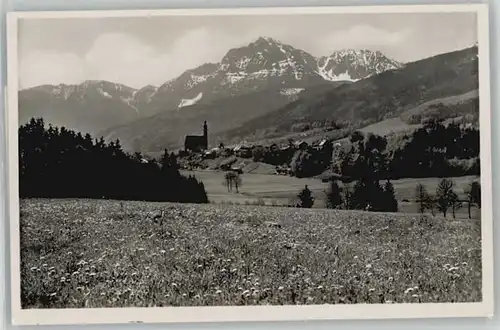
434, 150
446, 199
356, 198
60, 163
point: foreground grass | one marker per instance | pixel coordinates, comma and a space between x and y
88, 253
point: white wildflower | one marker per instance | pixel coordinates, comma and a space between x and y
408, 290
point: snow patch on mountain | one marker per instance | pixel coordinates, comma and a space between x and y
188, 102
242, 63
64, 91
291, 91
331, 76
104, 93
233, 77
290, 62
198, 79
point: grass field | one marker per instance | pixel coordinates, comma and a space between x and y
97, 253
279, 189
388, 126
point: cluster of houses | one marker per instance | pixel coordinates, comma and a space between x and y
199, 145
244, 150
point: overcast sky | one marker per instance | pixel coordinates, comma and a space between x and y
141, 51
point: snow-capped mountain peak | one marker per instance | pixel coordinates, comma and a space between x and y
352, 64
267, 59
264, 63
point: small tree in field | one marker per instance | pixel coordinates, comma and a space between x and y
455, 203
232, 179
473, 192
237, 181
334, 196
422, 198
445, 195
305, 198
476, 193
390, 201
431, 204
227, 182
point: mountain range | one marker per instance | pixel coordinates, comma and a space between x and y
417, 88
264, 88
386, 95
263, 65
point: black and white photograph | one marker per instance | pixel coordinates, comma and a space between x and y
178, 160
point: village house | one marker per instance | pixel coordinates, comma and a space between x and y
301, 145
242, 150
212, 153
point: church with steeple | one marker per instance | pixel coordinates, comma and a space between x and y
197, 142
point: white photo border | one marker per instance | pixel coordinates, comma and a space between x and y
251, 313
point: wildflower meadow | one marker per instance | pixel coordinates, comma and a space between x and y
100, 253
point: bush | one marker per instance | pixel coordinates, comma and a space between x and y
334, 196
306, 200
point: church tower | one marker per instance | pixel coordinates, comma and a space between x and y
205, 134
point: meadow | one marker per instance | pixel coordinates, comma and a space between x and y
103, 253
273, 189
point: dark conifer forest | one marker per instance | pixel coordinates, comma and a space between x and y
59, 163
436, 150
